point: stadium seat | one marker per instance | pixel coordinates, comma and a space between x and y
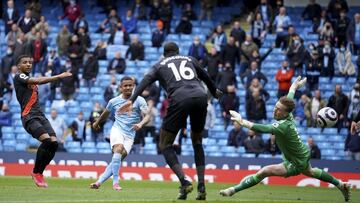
7, 129
215, 154
21, 147
90, 150
248, 155
232, 154
74, 150
9, 145
88, 145
8, 136
103, 145
23, 137
187, 153
104, 151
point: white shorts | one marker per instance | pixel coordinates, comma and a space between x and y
117, 137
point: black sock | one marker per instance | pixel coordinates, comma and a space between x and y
172, 160
51, 153
200, 163
42, 156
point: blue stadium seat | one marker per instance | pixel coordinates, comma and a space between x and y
72, 145
150, 146
211, 148
222, 142
21, 147
9, 145
241, 149
323, 145
104, 151
248, 155
103, 145
7, 129
232, 154
23, 137
228, 149
327, 152
90, 150
88, 145
8, 136
74, 150
215, 154
313, 131
149, 140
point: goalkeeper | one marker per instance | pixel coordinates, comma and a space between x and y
296, 155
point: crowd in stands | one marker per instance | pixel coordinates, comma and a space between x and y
230, 57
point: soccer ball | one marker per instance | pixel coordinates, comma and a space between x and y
326, 117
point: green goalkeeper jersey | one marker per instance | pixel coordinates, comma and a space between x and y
287, 138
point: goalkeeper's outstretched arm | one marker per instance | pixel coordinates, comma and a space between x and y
297, 84
235, 116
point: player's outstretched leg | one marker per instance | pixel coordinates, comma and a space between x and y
166, 141
103, 177
200, 164
326, 177
251, 180
116, 162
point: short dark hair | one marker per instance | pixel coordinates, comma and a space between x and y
126, 78
170, 49
18, 60
289, 103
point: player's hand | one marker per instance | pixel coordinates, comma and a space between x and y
96, 126
126, 107
218, 94
235, 116
137, 127
298, 83
65, 75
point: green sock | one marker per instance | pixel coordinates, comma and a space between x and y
247, 182
324, 176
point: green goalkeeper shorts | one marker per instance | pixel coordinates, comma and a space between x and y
295, 169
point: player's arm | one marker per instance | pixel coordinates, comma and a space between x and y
235, 116
104, 115
43, 80
146, 118
297, 84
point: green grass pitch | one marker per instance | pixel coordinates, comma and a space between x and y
22, 189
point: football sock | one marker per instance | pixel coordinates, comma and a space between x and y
172, 160
106, 175
200, 162
116, 162
324, 176
247, 182
42, 156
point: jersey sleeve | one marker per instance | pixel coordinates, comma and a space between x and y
290, 95
110, 106
147, 80
22, 78
143, 105
202, 74
274, 128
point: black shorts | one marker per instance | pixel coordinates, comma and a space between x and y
38, 126
177, 114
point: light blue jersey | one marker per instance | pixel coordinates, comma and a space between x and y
125, 121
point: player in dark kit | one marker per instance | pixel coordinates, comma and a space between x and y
32, 117
181, 78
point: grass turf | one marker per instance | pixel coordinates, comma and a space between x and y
22, 189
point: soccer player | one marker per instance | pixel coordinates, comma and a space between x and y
295, 153
181, 78
32, 117
123, 130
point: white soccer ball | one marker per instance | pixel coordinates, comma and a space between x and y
326, 117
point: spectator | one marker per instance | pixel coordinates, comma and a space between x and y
336, 6
84, 38
255, 85
63, 41
75, 53
184, 26
158, 35
283, 76
207, 7
69, 85
226, 77
111, 91
210, 119
100, 50
149, 127
77, 128
44, 92
117, 64
81, 22
31, 36
236, 136
5, 117
152, 92
339, 102
312, 11
315, 152
353, 34
130, 23
238, 33
313, 69
189, 12
247, 47
91, 69
271, 146
288, 39
166, 14
281, 24
218, 38
119, 36
296, 54
354, 107
341, 26
358, 65
230, 53
155, 11
266, 12
12, 35
60, 129
198, 50
328, 33
26, 22
72, 12
352, 142
230, 101
21, 46
6, 88
312, 107
98, 134
344, 63
38, 52
10, 16
164, 105
139, 10
327, 57
213, 63
254, 143
35, 7
110, 23
51, 63
136, 50
255, 107
319, 23
255, 56
6, 62
258, 29
252, 73
42, 26
299, 112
